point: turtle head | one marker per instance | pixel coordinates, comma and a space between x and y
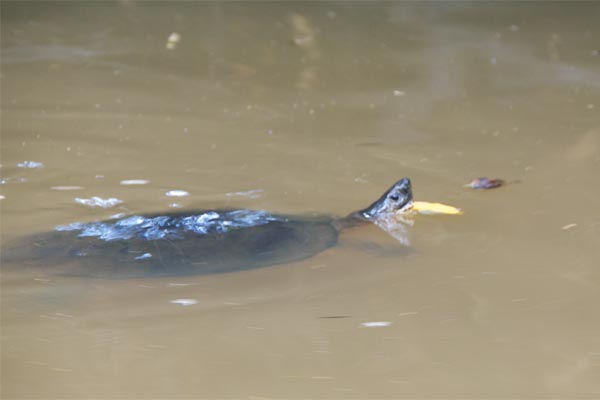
398, 198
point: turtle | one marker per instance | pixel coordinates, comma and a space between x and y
198, 242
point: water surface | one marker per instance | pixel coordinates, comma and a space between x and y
298, 109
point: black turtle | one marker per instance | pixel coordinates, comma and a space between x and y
197, 242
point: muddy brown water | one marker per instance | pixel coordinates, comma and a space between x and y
304, 108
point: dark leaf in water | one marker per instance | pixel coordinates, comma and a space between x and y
485, 183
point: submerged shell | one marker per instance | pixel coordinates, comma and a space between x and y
203, 242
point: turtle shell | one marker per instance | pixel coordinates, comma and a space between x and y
174, 244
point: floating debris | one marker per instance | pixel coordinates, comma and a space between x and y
376, 324
30, 164
485, 183
184, 302
129, 182
99, 202
2, 197
177, 193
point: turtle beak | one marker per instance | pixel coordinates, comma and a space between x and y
406, 207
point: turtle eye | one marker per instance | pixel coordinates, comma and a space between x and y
394, 197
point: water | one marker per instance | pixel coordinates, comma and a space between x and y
299, 109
